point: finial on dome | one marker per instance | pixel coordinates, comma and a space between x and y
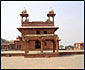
24, 11
51, 10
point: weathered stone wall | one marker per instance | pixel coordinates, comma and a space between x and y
33, 31
47, 46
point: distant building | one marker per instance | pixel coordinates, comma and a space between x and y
79, 46
8, 46
12, 45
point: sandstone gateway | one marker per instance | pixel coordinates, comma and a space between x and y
38, 35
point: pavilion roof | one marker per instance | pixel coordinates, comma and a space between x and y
38, 35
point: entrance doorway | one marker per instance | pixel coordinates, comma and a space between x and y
37, 44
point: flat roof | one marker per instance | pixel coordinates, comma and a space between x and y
17, 40
38, 27
79, 43
4, 43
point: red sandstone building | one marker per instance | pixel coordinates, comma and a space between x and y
79, 46
38, 35
12, 45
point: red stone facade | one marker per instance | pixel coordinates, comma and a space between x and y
38, 35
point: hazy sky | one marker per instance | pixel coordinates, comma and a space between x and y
69, 18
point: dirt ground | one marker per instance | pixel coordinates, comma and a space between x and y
64, 62
34, 52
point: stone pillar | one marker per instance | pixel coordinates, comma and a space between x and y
26, 47
49, 19
22, 45
80, 46
21, 20
83, 46
42, 44
57, 46
77, 45
74, 46
53, 19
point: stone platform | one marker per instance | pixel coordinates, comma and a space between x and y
41, 55
38, 54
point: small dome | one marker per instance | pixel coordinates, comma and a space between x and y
24, 11
51, 11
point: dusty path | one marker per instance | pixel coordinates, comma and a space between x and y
64, 62
40, 51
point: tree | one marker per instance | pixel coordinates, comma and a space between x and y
4, 41
69, 46
61, 46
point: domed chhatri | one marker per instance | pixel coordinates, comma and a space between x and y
51, 13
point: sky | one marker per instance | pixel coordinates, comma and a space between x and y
69, 18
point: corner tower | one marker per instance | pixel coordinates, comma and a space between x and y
24, 15
50, 15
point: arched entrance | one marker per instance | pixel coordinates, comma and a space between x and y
37, 44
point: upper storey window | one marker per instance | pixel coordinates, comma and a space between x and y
45, 32
38, 32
